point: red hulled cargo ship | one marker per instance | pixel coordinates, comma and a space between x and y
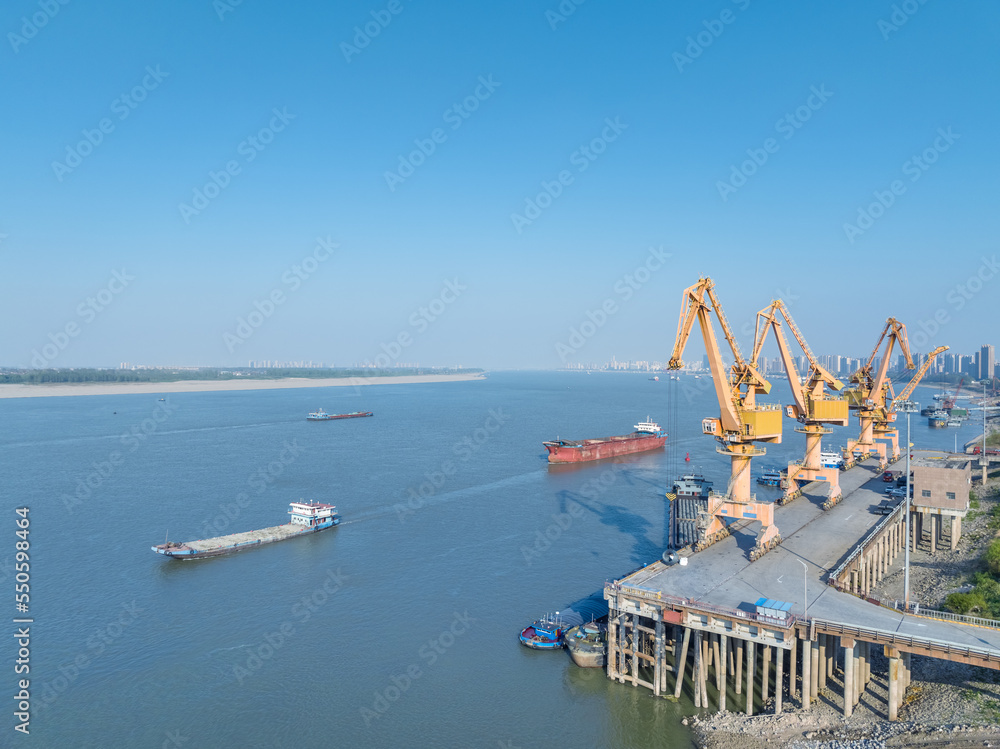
647, 436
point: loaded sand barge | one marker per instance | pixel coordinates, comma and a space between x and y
307, 517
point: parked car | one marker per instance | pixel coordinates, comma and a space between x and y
898, 492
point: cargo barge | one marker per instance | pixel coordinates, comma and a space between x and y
588, 644
647, 436
307, 517
322, 415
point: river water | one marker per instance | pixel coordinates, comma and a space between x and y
398, 628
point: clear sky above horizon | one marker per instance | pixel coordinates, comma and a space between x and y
217, 182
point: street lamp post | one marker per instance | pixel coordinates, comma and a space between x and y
805, 589
907, 407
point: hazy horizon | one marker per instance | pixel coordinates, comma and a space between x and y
221, 182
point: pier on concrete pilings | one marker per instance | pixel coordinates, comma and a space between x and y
736, 660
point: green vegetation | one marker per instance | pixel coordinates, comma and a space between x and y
992, 558
44, 376
965, 603
984, 598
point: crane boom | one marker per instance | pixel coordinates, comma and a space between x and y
728, 387
908, 390
813, 408
741, 422
869, 397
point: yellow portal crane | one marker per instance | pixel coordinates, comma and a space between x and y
812, 408
741, 420
885, 417
868, 397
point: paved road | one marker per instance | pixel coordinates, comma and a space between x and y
723, 574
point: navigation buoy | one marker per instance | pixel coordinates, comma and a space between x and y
687, 457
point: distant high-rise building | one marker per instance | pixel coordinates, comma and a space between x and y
987, 362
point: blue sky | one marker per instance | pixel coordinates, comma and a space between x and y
695, 92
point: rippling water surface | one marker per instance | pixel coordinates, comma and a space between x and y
399, 628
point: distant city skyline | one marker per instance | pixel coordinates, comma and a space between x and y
837, 364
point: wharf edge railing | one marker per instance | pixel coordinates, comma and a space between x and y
894, 638
834, 581
792, 620
863, 543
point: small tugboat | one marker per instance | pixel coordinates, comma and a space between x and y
545, 633
307, 517
770, 477
588, 644
322, 415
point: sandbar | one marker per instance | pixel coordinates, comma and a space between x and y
45, 390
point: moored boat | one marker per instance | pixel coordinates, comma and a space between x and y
307, 517
831, 460
770, 477
938, 419
647, 436
544, 634
588, 644
549, 632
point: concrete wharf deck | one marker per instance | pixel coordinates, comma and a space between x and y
705, 608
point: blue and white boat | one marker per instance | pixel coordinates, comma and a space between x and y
306, 518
